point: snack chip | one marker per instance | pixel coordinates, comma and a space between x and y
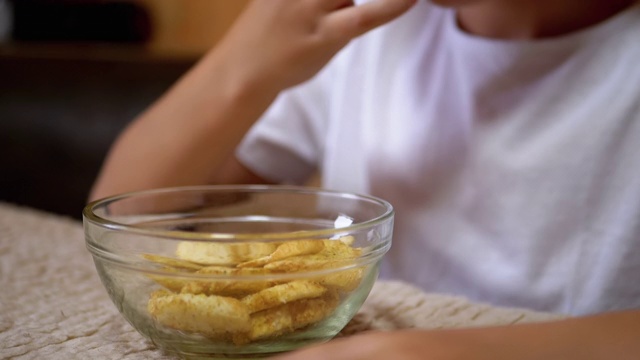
169, 282
222, 254
234, 288
345, 281
172, 262
282, 294
288, 318
211, 316
287, 250
245, 304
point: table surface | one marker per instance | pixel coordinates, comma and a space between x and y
52, 304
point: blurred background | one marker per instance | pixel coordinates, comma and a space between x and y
74, 73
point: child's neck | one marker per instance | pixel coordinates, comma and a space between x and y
529, 19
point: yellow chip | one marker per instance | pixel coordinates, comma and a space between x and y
233, 287
172, 262
211, 316
287, 250
299, 263
222, 254
334, 255
310, 311
159, 293
342, 252
287, 318
281, 294
339, 250
172, 283
347, 280
269, 323
268, 308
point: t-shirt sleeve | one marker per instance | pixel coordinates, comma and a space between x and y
286, 145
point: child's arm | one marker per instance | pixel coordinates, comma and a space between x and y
188, 136
601, 337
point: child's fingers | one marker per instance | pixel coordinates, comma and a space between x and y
332, 5
353, 21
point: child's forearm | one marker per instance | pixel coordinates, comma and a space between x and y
186, 135
603, 337
606, 336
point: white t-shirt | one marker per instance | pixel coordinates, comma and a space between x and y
513, 166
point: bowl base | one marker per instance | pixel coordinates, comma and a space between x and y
189, 354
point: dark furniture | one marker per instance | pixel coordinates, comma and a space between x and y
60, 110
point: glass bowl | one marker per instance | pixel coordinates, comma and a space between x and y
238, 271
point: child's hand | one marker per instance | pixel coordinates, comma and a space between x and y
612, 335
281, 43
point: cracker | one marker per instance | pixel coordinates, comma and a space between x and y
299, 263
310, 311
287, 250
248, 305
339, 250
344, 281
172, 262
234, 287
173, 283
206, 253
210, 316
287, 318
282, 294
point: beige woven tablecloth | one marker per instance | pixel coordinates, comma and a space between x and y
53, 306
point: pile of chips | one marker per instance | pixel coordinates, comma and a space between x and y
248, 305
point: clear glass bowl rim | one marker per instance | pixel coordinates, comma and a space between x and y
91, 217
